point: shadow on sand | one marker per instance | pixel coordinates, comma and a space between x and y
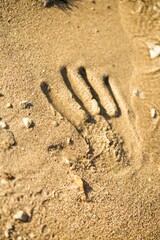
62, 4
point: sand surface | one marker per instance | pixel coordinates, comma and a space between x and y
88, 166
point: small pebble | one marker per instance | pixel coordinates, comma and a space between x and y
136, 92
55, 124
5, 144
22, 216
31, 235
47, 3
3, 181
9, 226
56, 147
27, 122
153, 113
9, 105
25, 104
69, 141
3, 124
8, 176
6, 233
66, 160
7, 139
156, 9
79, 182
8, 230
19, 238
154, 50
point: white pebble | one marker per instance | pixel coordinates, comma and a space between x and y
66, 160
136, 92
156, 9
9, 226
55, 124
154, 50
27, 122
3, 124
9, 105
69, 141
6, 233
3, 181
19, 238
22, 216
153, 113
31, 235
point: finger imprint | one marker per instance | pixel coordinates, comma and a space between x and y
82, 90
61, 99
104, 94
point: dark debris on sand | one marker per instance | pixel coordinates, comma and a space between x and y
62, 4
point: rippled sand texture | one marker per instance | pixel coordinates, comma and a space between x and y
141, 22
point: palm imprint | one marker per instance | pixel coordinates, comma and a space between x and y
85, 99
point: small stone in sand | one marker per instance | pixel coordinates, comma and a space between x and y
48, 3
136, 92
22, 216
3, 124
9, 105
69, 141
79, 182
154, 50
27, 122
8, 176
25, 104
6, 233
153, 113
55, 124
5, 144
9, 226
7, 139
9, 229
66, 160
